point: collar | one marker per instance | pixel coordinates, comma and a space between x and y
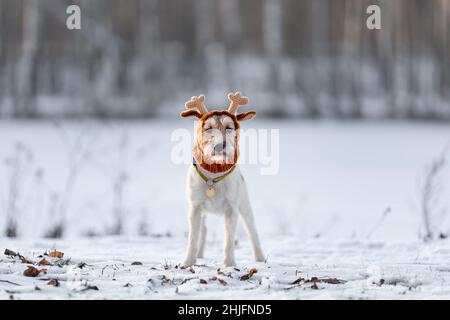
209, 176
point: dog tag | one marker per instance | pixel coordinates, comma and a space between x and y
210, 192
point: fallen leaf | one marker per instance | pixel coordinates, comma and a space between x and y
136, 263
31, 272
127, 285
90, 288
220, 272
380, 283
315, 280
44, 262
9, 253
222, 282
191, 270
203, 281
56, 254
24, 260
332, 280
177, 290
249, 274
298, 281
164, 279
81, 265
253, 271
53, 282
16, 254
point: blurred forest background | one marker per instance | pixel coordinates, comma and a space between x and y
294, 58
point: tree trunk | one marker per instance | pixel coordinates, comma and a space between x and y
25, 106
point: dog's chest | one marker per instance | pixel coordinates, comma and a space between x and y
226, 192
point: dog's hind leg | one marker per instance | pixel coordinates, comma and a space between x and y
194, 216
231, 218
202, 238
247, 217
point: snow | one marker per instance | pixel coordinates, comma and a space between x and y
371, 270
344, 204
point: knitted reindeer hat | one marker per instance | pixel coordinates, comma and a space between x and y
196, 108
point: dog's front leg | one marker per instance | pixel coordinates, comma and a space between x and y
202, 238
194, 217
231, 219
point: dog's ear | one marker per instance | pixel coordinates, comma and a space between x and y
246, 116
191, 113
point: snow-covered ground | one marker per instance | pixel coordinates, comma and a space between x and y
346, 269
345, 204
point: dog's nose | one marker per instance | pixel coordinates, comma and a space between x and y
219, 147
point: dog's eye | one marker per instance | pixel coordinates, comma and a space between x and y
229, 130
208, 129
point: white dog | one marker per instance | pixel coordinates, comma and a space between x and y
214, 183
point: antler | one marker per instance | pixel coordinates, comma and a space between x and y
236, 101
197, 103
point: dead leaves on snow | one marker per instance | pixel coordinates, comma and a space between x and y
221, 281
33, 272
249, 274
55, 254
37, 266
314, 281
48, 259
220, 272
9, 252
13, 254
44, 262
217, 278
53, 282
54, 258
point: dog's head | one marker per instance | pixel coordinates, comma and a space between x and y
217, 133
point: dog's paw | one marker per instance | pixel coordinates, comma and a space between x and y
229, 263
188, 262
260, 257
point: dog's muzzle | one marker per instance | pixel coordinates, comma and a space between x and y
218, 148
